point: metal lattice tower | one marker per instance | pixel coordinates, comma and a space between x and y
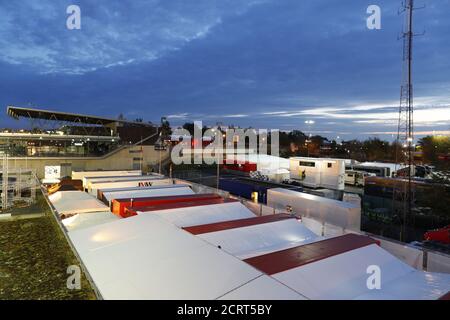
405, 147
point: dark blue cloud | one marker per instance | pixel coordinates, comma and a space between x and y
257, 63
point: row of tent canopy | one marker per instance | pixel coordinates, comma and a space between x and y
166, 242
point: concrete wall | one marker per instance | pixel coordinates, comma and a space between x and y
125, 158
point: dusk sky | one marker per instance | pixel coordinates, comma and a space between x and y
260, 63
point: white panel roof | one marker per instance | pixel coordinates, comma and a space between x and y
263, 288
344, 276
193, 216
417, 285
256, 240
144, 257
86, 220
148, 193
72, 202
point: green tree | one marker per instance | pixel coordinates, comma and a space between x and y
166, 130
434, 146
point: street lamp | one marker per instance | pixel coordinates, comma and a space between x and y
160, 147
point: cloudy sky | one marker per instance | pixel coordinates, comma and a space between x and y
259, 63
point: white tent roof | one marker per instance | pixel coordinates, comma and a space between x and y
263, 161
144, 257
86, 220
72, 202
416, 285
260, 239
344, 276
263, 288
192, 216
183, 190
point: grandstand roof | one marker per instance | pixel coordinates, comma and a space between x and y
17, 112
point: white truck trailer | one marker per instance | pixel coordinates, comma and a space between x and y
141, 182
318, 172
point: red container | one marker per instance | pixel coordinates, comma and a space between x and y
118, 206
132, 211
241, 166
440, 235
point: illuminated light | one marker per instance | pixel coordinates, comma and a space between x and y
255, 196
102, 237
309, 121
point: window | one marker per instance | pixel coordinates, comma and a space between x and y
330, 165
307, 164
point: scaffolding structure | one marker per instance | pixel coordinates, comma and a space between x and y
18, 186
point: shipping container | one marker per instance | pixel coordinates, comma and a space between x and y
80, 174
338, 213
87, 181
108, 197
243, 167
118, 205
249, 189
112, 191
318, 172
138, 182
131, 211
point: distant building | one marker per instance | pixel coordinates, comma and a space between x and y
80, 141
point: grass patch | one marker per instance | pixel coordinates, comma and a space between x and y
34, 256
